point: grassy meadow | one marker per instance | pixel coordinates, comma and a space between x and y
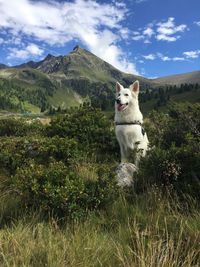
60, 205
150, 231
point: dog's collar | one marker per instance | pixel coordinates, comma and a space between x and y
129, 123
132, 123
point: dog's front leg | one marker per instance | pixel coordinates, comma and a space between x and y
138, 156
141, 152
124, 154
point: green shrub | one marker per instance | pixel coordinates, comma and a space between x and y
15, 151
49, 171
57, 189
92, 130
19, 127
175, 126
174, 161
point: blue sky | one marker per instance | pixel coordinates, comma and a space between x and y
152, 38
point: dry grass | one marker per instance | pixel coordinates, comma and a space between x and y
147, 233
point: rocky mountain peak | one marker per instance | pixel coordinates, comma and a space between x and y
49, 56
76, 48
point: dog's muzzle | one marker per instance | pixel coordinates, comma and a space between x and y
120, 106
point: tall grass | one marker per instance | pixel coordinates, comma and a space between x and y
148, 231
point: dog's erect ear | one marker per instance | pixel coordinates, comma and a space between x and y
135, 87
118, 87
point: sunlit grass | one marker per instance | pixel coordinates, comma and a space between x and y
145, 231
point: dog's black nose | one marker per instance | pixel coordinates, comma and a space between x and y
117, 101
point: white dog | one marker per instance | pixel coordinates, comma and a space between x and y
128, 119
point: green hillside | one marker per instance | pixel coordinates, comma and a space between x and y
30, 90
178, 79
159, 98
66, 81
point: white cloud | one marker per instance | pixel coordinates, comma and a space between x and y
164, 37
140, 1
34, 50
119, 4
144, 34
192, 54
30, 50
1, 40
125, 33
161, 31
165, 58
178, 58
135, 32
149, 32
150, 57
146, 41
166, 30
197, 23
138, 37
56, 23
162, 57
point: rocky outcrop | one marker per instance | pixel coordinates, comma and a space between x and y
125, 174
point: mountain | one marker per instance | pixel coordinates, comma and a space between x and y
29, 64
63, 81
66, 81
3, 66
82, 64
189, 78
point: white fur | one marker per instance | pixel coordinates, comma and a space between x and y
130, 137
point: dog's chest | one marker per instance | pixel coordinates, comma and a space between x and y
128, 133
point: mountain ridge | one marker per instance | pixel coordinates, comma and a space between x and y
66, 81
177, 79
182, 77
53, 64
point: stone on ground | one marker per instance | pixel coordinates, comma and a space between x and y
124, 174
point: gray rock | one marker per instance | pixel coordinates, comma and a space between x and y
124, 174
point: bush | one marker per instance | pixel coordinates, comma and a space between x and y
89, 127
15, 151
57, 189
44, 167
174, 162
47, 171
175, 126
19, 127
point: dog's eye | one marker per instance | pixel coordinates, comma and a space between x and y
126, 94
119, 94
